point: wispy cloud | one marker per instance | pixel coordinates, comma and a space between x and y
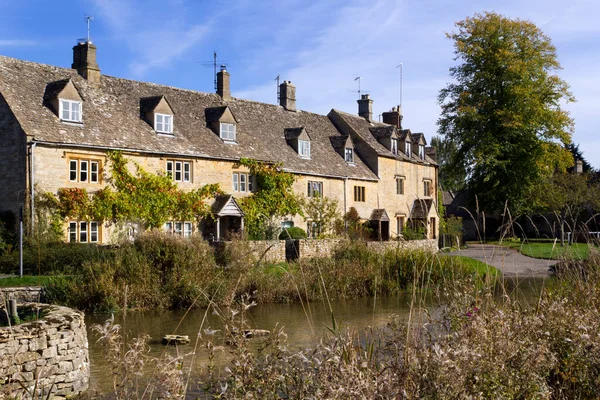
17, 42
156, 32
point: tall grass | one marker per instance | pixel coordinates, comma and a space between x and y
161, 271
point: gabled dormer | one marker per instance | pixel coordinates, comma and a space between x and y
344, 146
299, 139
157, 112
419, 145
406, 142
387, 135
222, 122
63, 98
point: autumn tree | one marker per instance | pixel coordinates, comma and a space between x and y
503, 109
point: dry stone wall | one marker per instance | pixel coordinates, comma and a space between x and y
50, 354
27, 294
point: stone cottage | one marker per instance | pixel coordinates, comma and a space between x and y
57, 125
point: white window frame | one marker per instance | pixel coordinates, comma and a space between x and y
304, 148
422, 151
349, 155
315, 189
179, 171
179, 228
400, 224
408, 148
228, 132
84, 170
70, 110
187, 229
163, 123
84, 232
394, 146
243, 182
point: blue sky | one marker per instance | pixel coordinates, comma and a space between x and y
320, 46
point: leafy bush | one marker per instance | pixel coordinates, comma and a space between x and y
293, 232
410, 233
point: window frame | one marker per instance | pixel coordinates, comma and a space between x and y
427, 188
400, 185
183, 229
312, 185
400, 223
75, 116
92, 170
349, 151
408, 148
231, 130
165, 126
179, 168
304, 148
394, 146
360, 194
84, 231
247, 183
422, 151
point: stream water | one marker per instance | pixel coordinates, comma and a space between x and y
303, 324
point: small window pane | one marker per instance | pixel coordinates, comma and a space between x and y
83, 171
72, 232
243, 182
73, 170
178, 228
187, 229
75, 112
94, 171
168, 227
186, 172
83, 232
235, 182
178, 172
250, 183
349, 155
170, 168
66, 112
93, 232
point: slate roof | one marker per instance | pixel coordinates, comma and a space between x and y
365, 130
421, 208
54, 88
111, 119
379, 214
148, 104
221, 201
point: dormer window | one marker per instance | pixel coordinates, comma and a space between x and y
349, 155
70, 110
228, 132
163, 123
422, 151
394, 147
304, 148
407, 148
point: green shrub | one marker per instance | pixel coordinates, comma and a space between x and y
293, 232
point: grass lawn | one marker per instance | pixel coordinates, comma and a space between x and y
474, 266
26, 280
550, 250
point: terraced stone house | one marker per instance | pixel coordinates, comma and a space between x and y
57, 125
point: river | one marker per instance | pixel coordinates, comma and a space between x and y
303, 324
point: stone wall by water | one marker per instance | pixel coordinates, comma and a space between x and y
52, 351
27, 294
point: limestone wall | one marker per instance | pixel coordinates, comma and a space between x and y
27, 294
270, 250
52, 350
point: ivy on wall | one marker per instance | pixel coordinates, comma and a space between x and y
274, 200
140, 196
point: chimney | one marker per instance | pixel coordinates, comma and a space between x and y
365, 107
393, 117
287, 96
223, 89
579, 167
84, 61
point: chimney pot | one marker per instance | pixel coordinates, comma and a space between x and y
393, 117
84, 61
287, 96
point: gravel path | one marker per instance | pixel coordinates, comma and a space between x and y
510, 262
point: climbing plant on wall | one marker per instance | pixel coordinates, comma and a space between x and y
140, 196
274, 200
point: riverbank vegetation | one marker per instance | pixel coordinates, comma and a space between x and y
163, 271
478, 345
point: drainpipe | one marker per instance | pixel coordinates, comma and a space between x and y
32, 184
345, 204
